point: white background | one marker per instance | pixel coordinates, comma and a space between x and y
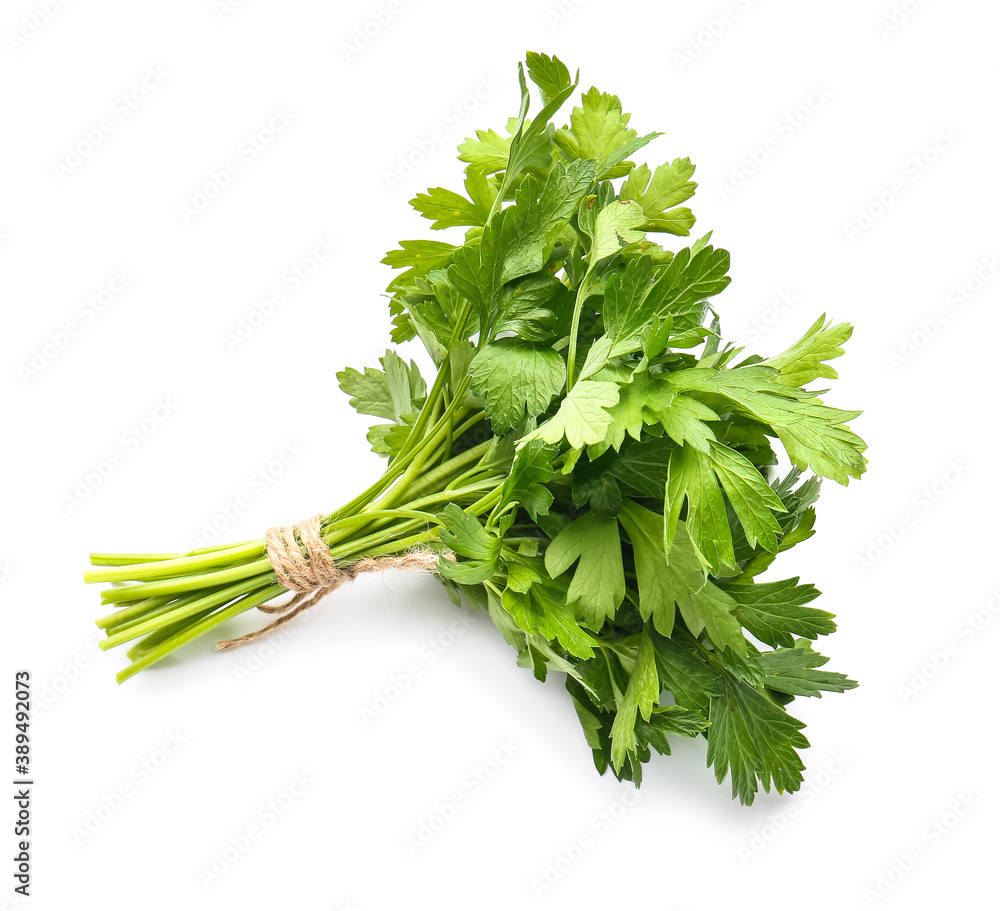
847, 112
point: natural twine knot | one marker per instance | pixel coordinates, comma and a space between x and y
303, 564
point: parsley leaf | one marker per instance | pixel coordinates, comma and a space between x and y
703, 605
814, 435
668, 186
599, 129
418, 257
583, 415
793, 671
389, 393
753, 739
448, 209
774, 612
550, 74
598, 584
616, 227
465, 536
517, 244
529, 473
642, 693
645, 533
805, 360
517, 379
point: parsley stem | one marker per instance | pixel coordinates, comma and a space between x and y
163, 569
188, 632
581, 295
446, 470
206, 601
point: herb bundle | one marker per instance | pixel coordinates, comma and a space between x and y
594, 465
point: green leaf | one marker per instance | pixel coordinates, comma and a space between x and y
418, 257
802, 530
597, 358
632, 304
669, 186
813, 434
517, 242
524, 307
753, 501
534, 612
676, 719
661, 196
530, 472
677, 221
624, 315
533, 140
641, 694
448, 209
711, 609
686, 674
368, 391
645, 533
632, 411
511, 632
598, 584
592, 728
488, 152
480, 190
642, 470
613, 164
686, 283
389, 393
774, 612
690, 479
462, 533
583, 416
517, 379
804, 361
404, 383
703, 605
793, 671
550, 74
753, 739
597, 489
429, 307
685, 420
745, 668
388, 439
599, 129
529, 227
601, 197
616, 227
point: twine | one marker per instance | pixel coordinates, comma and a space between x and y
303, 565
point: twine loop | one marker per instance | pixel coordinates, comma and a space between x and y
303, 564
305, 568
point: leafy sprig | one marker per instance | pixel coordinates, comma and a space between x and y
599, 462
639, 476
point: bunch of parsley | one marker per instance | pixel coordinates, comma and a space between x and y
598, 462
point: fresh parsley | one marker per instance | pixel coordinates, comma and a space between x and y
596, 464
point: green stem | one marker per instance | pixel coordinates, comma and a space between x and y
414, 437
574, 331
127, 559
450, 470
186, 583
196, 606
164, 569
187, 633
